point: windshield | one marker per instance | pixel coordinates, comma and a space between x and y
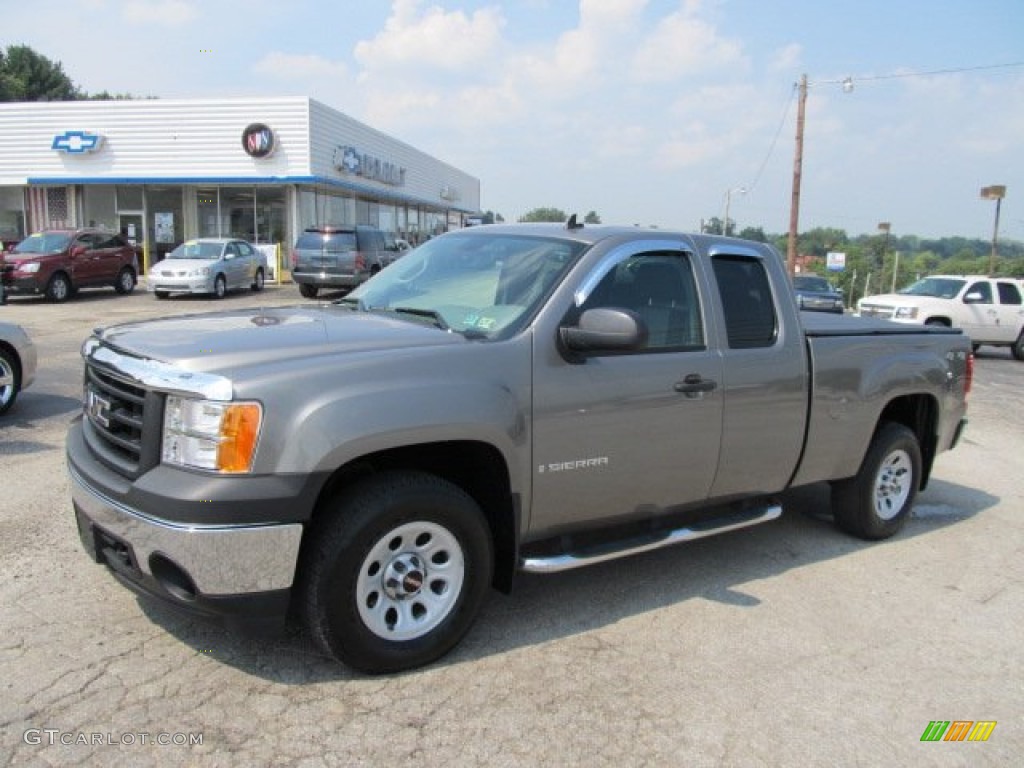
484, 286
940, 287
195, 249
43, 243
818, 284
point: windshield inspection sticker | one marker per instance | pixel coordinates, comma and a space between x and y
566, 466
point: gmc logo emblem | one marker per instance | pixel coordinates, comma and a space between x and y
98, 408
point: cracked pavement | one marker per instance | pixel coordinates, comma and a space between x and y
785, 644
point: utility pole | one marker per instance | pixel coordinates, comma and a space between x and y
996, 192
798, 161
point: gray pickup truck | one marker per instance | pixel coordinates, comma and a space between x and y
502, 399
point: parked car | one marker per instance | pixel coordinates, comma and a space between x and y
213, 265
338, 258
17, 363
57, 262
817, 294
989, 310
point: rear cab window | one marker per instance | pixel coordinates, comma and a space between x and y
743, 286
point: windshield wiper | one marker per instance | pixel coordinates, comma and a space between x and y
428, 313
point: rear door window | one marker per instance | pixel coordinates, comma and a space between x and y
750, 319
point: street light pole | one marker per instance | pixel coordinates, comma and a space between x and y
728, 199
798, 162
997, 193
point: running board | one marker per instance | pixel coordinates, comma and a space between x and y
615, 550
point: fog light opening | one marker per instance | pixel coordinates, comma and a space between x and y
172, 578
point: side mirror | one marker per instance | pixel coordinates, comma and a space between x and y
605, 329
78, 250
974, 298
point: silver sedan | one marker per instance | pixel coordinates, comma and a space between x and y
17, 363
208, 265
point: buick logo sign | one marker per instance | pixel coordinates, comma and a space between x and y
258, 140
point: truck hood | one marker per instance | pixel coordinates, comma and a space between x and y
223, 340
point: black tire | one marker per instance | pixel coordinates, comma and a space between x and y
160, 294
59, 288
220, 287
125, 281
257, 284
1018, 347
395, 571
10, 379
875, 503
308, 291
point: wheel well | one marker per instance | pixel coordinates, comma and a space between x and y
919, 413
478, 468
939, 321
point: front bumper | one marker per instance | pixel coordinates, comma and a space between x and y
156, 283
25, 285
237, 574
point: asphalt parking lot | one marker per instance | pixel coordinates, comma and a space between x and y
786, 644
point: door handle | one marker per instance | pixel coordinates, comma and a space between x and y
694, 383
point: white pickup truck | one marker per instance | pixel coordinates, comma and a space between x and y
989, 309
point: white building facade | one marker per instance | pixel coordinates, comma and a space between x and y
163, 171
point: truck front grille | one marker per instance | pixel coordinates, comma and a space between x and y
120, 416
876, 310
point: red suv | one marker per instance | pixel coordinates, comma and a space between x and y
57, 262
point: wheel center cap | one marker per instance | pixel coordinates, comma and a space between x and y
404, 577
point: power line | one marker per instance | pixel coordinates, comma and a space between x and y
951, 71
775, 139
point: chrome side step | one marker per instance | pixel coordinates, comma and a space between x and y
570, 560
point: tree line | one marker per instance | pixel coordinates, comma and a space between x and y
29, 76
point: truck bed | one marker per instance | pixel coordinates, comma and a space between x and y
827, 324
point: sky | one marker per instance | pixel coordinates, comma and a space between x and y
652, 112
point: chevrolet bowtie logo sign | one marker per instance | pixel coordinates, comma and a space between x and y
77, 142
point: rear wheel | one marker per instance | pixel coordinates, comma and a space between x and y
308, 291
59, 288
160, 294
257, 284
125, 281
10, 379
875, 503
396, 571
1018, 347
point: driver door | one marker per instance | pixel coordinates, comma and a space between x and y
616, 437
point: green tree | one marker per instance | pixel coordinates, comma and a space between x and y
29, 76
544, 214
592, 218
754, 233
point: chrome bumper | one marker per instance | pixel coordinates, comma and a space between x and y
220, 560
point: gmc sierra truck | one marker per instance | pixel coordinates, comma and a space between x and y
501, 399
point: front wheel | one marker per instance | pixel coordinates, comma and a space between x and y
10, 380
875, 503
1018, 347
59, 288
220, 287
396, 571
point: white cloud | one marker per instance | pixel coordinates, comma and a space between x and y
683, 44
451, 41
787, 59
162, 12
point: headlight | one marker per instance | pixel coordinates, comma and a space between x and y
30, 268
209, 435
908, 313
199, 272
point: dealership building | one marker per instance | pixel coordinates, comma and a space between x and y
161, 171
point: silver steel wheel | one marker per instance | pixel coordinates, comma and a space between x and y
893, 484
410, 581
8, 383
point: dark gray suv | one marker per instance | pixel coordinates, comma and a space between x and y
337, 258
